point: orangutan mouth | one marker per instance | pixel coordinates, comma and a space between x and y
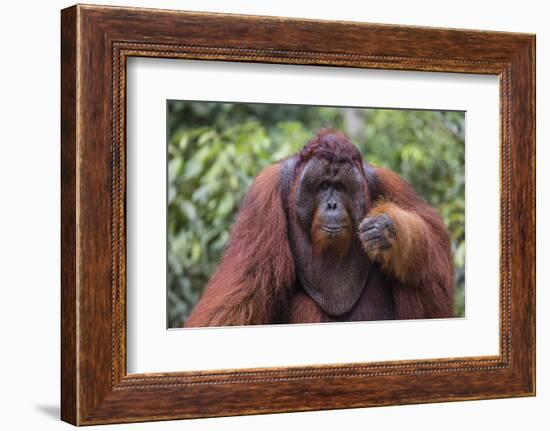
333, 230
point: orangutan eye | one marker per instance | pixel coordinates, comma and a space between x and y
339, 187
324, 185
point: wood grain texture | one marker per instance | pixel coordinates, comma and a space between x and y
96, 41
69, 396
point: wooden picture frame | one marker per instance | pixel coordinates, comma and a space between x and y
95, 43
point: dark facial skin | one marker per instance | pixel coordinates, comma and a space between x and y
333, 194
332, 214
330, 204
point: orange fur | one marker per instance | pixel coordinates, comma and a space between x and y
336, 246
405, 255
420, 254
253, 281
303, 309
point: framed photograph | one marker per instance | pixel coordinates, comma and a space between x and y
264, 214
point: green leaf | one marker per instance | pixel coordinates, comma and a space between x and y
226, 205
174, 168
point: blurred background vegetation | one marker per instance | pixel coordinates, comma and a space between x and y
216, 149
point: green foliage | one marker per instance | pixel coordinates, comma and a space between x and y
216, 149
